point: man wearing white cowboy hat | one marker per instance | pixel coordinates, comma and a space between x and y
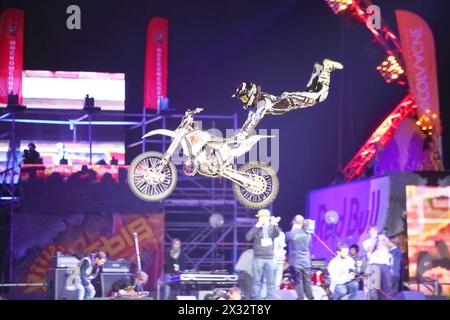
262, 234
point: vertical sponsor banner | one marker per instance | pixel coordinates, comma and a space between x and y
11, 53
155, 76
420, 63
358, 205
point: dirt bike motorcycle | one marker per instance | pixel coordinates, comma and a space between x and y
152, 176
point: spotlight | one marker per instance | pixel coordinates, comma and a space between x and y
426, 124
13, 103
390, 69
339, 5
89, 104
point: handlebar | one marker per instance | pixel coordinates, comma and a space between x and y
190, 112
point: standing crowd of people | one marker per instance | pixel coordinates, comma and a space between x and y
261, 269
378, 273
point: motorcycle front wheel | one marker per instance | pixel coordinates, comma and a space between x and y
150, 179
265, 194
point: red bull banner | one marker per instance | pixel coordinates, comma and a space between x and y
420, 61
11, 53
155, 76
357, 206
345, 212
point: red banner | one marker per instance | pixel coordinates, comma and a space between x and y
155, 77
11, 53
420, 61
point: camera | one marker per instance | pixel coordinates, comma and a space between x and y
309, 226
217, 294
358, 270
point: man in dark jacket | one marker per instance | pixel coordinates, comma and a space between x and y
262, 234
175, 262
88, 271
396, 264
299, 242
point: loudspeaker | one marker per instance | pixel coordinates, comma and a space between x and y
410, 295
108, 280
60, 285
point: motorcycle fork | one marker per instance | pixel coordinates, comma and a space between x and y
168, 154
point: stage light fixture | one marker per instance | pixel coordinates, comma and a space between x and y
390, 69
13, 103
339, 5
89, 104
426, 122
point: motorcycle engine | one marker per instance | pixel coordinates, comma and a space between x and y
208, 162
190, 167
213, 162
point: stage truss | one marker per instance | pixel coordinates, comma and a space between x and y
392, 69
187, 211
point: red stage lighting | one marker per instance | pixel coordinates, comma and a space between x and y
379, 139
390, 69
339, 5
426, 122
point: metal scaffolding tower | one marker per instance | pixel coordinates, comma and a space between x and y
188, 210
202, 212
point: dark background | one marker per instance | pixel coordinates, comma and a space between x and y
214, 45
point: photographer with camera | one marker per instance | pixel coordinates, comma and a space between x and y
343, 274
379, 263
299, 241
263, 233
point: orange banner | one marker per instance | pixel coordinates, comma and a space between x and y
420, 62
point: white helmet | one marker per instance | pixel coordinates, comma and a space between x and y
247, 92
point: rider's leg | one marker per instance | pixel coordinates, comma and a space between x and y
322, 80
318, 86
312, 83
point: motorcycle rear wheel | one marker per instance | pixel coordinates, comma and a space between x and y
258, 199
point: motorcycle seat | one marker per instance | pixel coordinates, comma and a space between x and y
218, 139
216, 142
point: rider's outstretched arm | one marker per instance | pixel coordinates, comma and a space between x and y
254, 117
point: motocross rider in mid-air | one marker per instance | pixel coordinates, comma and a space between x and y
260, 103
